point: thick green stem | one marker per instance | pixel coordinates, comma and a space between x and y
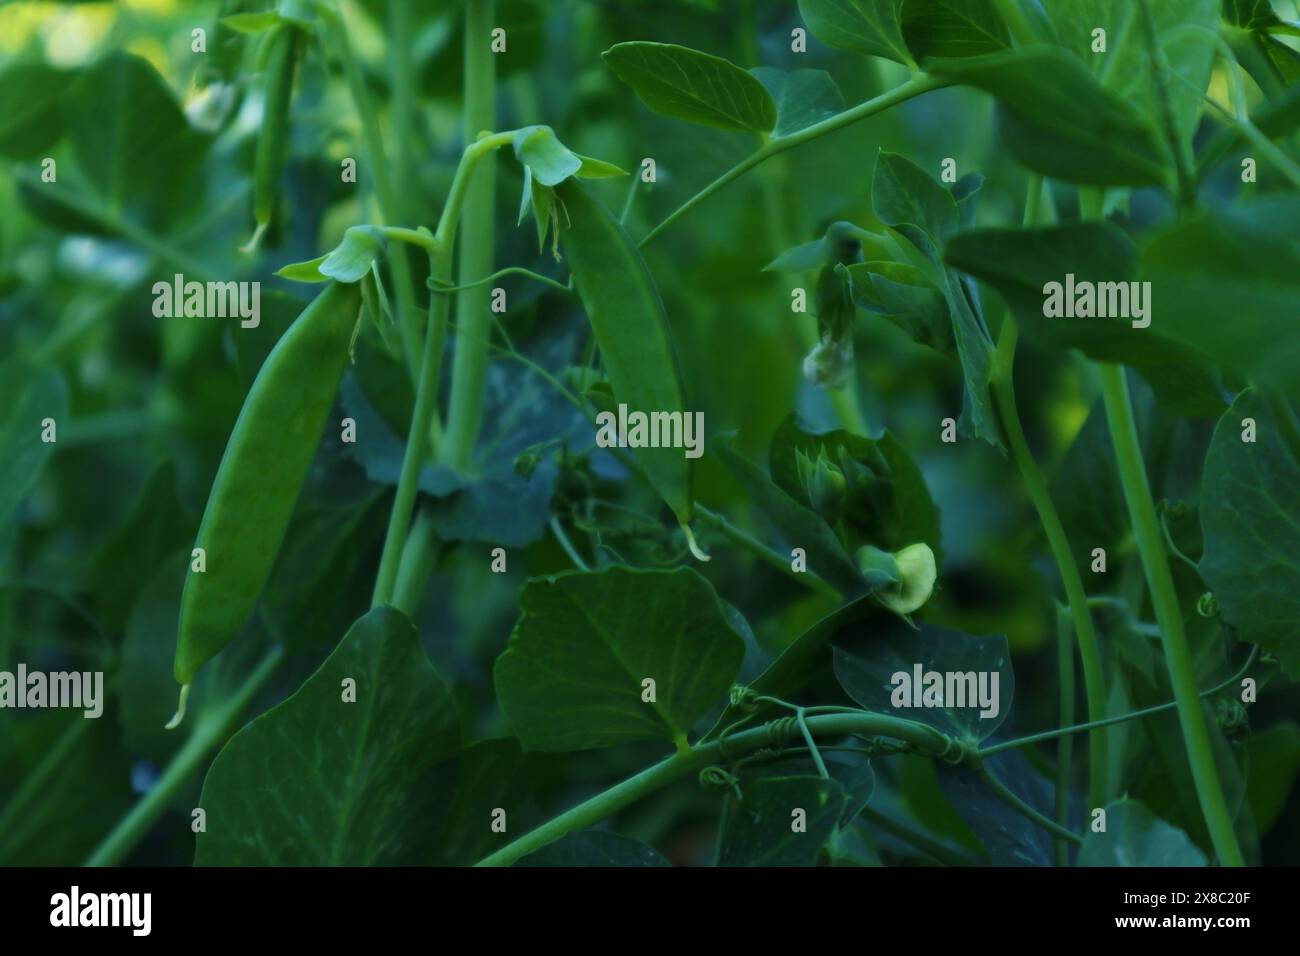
694, 759
1089, 650
210, 731
473, 322
419, 555
1164, 598
919, 84
426, 389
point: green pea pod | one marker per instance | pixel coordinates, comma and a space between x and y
631, 328
261, 474
284, 48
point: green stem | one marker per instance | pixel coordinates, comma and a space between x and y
426, 388
1164, 598
1065, 749
763, 552
419, 555
1119, 719
1059, 544
35, 783
921, 83
210, 731
1025, 810
558, 530
473, 321
694, 759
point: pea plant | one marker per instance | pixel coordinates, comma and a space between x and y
592, 434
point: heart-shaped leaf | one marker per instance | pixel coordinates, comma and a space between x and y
574, 675
1134, 836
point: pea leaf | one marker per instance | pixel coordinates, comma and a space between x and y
29, 108
956, 28
572, 675
909, 200
902, 293
873, 27
1242, 262
595, 848
35, 395
1251, 558
879, 672
133, 151
799, 525
488, 774
1072, 128
1134, 836
780, 821
1126, 68
803, 97
1021, 263
842, 240
1008, 837
1250, 14
352, 258
359, 796
1274, 760
686, 84
597, 169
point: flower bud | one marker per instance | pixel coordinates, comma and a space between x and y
918, 573
823, 484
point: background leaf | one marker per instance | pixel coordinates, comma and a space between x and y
1136, 837
595, 848
873, 27
757, 828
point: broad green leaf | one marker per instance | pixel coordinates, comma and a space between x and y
851, 771
29, 108
1134, 836
352, 258
686, 84
1274, 762
33, 395
912, 203
798, 524
803, 97
873, 27
309, 597
1072, 128
1227, 282
320, 781
595, 848
308, 271
759, 828
572, 676
134, 153
1127, 69
969, 700
1022, 263
1009, 838
953, 28
488, 775
1250, 14
549, 160
1251, 558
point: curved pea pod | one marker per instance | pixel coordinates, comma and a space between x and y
627, 316
284, 49
261, 474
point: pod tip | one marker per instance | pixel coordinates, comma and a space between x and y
692, 544
256, 239
180, 709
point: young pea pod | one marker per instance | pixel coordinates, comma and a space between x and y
631, 328
284, 49
261, 473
